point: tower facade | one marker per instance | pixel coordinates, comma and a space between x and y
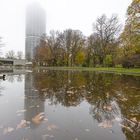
35, 28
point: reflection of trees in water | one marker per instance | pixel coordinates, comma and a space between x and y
128, 98
19, 78
105, 112
14, 78
110, 96
131, 128
58, 88
1, 88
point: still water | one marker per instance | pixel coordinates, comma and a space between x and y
69, 105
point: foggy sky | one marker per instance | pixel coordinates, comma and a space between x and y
61, 15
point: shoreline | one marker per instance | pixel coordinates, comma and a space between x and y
130, 71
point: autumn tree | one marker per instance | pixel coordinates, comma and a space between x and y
73, 41
80, 57
130, 37
107, 30
93, 50
42, 52
52, 44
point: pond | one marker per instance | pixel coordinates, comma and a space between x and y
69, 105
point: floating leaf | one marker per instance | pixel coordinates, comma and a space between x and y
38, 118
118, 119
23, 124
126, 127
21, 111
70, 92
108, 107
45, 136
105, 124
134, 119
123, 99
46, 119
8, 130
107, 95
51, 127
87, 130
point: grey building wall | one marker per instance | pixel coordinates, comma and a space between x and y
35, 28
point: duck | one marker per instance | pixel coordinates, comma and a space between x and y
2, 76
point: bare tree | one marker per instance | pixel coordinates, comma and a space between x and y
107, 30
74, 41
10, 54
1, 44
19, 54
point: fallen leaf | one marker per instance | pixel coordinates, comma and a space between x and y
123, 99
51, 127
108, 107
44, 137
118, 119
107, 95
23, 124
21, 111
105, 124
38, 118
87, 130
126, 127
70, 92
46, 119
134, 119
8, 130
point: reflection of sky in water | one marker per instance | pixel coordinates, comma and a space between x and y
42, 107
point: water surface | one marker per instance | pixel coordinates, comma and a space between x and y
69, 105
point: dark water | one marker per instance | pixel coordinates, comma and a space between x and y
69, 105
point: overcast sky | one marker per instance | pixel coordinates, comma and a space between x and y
61, 14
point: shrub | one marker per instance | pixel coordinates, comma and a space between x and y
127, 64
118, 66
108, 61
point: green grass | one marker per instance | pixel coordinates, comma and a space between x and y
130, 71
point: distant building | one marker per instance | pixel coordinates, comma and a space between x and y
12, 62
35, 28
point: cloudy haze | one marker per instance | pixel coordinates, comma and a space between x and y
61, 14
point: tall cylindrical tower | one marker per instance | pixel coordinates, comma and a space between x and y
35, 28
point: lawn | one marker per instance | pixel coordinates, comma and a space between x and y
130, 71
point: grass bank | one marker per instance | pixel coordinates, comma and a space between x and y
130, 71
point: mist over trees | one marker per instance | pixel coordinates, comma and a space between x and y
10, 54
1, 44
107, 46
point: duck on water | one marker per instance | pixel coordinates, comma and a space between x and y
2, 76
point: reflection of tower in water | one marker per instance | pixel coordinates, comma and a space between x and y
33, 104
